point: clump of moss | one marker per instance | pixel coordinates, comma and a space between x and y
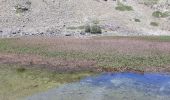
123, 7
154, 24
159, 14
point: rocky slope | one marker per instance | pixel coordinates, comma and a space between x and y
61, 17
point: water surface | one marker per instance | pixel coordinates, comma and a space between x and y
112, 86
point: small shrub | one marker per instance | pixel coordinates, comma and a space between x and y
150, 2
87, 29
137, 20
159, 14
21, 9
123, 7
28, 3
154, 24
21, 70
95, 29
95, 21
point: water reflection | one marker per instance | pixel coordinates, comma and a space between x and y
113, 86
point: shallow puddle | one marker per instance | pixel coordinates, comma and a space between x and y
112, 86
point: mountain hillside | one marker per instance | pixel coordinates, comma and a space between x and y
70, 17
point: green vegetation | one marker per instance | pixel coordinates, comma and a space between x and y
88, 28
123, 7
159, 14
149, 2
74, 28
93, 28
21, 70
21, 9
147, 38
18, 82
157, 38
154, 24
137, 20
116, 60
7, 46
103, 59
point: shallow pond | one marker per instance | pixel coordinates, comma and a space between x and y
112, 86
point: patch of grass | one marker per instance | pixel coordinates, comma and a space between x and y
8, 46
159, 14
115, 60
111, 59
147, 38
18, 81
123, 7
157, 38
154, 24
15, 86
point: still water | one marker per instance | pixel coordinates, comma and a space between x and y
112, 86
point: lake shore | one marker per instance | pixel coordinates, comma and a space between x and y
34, 64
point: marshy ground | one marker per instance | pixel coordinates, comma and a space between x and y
32, 64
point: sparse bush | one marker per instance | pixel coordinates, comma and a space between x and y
123, 7
28, 3
93, 29
154, 24
95, 21
149, 2
21, 9
87, 29
137, 20
159, 14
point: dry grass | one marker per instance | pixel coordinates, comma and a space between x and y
74, 53
100, 45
